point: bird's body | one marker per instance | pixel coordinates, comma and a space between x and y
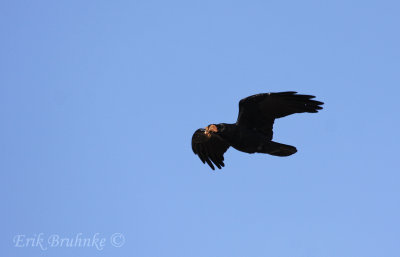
241, 138
252, 132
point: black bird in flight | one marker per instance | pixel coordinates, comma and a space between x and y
252, 132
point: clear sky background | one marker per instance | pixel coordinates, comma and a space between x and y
99, 100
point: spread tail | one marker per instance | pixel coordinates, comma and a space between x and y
277, 149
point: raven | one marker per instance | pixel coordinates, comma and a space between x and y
252, 132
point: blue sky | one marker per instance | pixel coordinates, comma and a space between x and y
99, 100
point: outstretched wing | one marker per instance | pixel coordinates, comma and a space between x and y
209, 147
259, 111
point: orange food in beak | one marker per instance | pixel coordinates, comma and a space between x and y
213, 128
